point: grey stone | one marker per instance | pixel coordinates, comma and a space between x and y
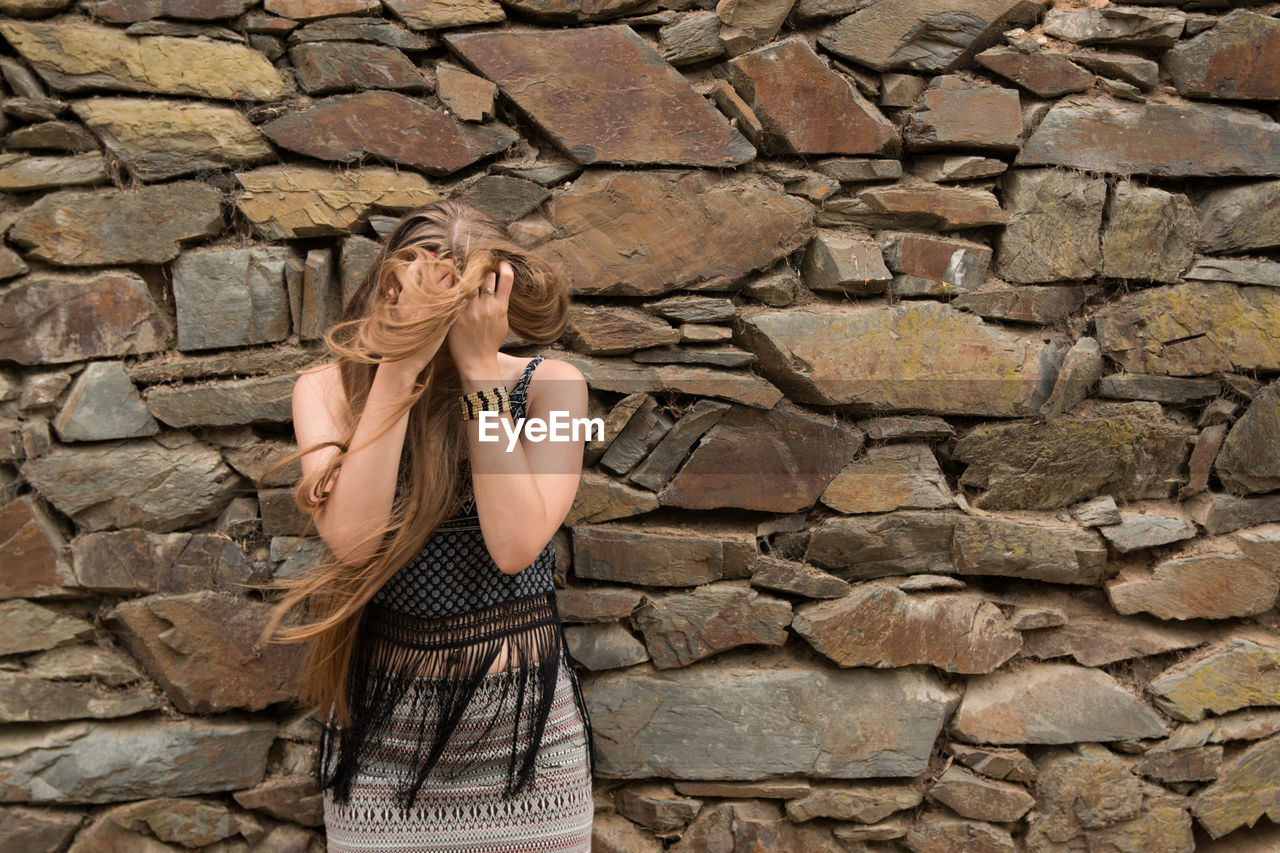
1052, 703
688, 723
160, 484
692, 38
225, 403
1053, 233
41, 173
844, 262
82, 762
1163, 389
1235, 271
1149, 234
29, 627
646, 427
656, 469
1240, 217
1127, 25
681, 628
231, 297
1136, 532
1237, 674
26, 698
604, 646
104, 404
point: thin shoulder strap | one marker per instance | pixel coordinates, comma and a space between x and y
520, 393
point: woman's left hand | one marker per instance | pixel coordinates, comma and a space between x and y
477, 334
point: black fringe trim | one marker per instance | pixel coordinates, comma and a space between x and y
393, 653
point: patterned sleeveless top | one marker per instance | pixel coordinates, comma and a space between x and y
443, 620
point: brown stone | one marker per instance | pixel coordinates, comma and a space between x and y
1167, 140
1044, 74
29, 627
574, 11
685, 230
1236, 674
443, 14
692, 38
31, 564
1245, 791
226, 403
954, 113
286, 202
923, 35
995, 762
881, 626
916, 206
1193, 329
895, 476
602, 498
1126, 25
176, 367
58, 135
160, 484
644, 429
757, 20
389, 126
1249, 460
1025, 303
931, 265
1236, 58
613, 833
758, 825
597, 604
866, 802
629, 555
656, 470
147, 225
804, 107
75, 56
129, 562
1025, 549
974, 797
292, 798
160, 138
1150, 234
50, 321
681, 628
467, 96
303, 9
845, 263
657, 806
1052, 703
794, 456
28, 699
325, 67
796, 578
664, 122
1244, 216
956, 167
28, 174
613, 330
373, 29
1136, 452
1197, 586
202, 648
607, 646
912, 355
1053, 231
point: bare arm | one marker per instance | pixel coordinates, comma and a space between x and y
361, 494
523, 495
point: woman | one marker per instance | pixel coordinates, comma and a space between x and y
455, 721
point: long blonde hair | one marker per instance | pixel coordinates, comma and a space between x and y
427, 488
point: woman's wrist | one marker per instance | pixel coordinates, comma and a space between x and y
479, 375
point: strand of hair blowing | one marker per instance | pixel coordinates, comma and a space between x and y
333, 593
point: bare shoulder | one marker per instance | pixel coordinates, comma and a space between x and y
557, 368
322, 383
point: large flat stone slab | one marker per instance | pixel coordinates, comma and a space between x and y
924, 35
1167, 140
54, 321
804, 106
913, 355
1193, 329
284, 202
1052, 703
71, 57
578, 85
388, 126
143, 226
650, 232
231, 297
83, 762
1237, 674
202, 648
1236, 59
159, 484
689, 723
163, 138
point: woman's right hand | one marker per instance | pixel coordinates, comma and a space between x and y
407, 309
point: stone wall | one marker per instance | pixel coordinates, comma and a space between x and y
938, 345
